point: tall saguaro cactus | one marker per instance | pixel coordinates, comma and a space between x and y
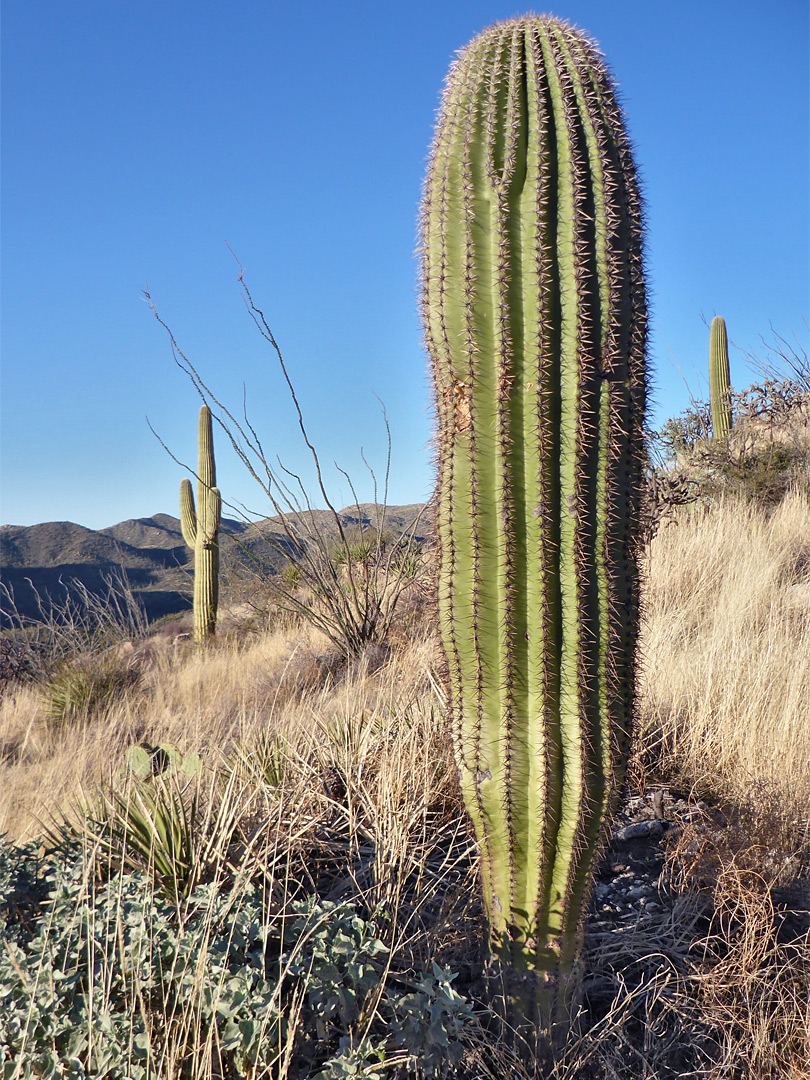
201, 530
535, 323
719, 379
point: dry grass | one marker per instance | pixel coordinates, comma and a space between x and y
335, 778
725, 690
320, 778
200, 700
749, 970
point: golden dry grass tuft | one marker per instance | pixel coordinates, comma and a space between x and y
749, 968
725, 688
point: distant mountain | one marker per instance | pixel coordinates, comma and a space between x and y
45, 559
266, 546
160, 531
57, 543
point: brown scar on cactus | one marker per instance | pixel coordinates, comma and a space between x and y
459, 395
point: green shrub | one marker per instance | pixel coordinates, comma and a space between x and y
763, 474
682, 434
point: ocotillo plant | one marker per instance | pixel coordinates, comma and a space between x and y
719, 379
535, 323
201, 530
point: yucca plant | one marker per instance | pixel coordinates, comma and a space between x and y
158, 818
534, 316
265, 758
78, 689
154, 825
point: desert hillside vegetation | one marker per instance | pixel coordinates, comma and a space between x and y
250, 858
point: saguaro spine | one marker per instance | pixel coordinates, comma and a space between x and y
201, 530
535, 323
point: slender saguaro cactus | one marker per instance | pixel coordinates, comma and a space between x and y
535, 323
719, 379
201, 530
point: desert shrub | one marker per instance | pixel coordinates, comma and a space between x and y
111, 978
762, 474
766, 455
348, 589
663, 494
78, 688
682, 434
346, 574
20, 660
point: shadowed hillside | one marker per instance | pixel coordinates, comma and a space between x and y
43, 560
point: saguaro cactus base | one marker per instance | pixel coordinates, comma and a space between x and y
535, 323
201, 530
534, 1008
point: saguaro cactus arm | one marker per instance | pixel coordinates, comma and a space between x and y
188, 516
535, 323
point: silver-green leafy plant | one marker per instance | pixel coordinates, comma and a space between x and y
535, 322
107, 976
200, 527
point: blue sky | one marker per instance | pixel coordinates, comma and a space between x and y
139, 139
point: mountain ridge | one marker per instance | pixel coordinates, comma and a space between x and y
42, 560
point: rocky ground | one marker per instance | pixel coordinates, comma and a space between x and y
635, 880
690, 922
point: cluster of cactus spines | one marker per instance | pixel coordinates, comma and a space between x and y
201, 530
719, 379
535, 323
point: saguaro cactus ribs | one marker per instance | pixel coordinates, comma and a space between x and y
535, 322
201, 530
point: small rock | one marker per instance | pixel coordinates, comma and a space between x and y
638, 892
625, 879
641, 830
